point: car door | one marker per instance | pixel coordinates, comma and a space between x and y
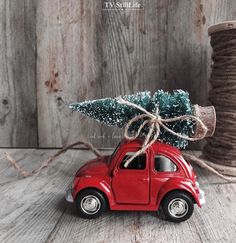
131, 185
163, 169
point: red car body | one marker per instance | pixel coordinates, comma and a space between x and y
127, 189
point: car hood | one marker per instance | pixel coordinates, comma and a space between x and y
96, 166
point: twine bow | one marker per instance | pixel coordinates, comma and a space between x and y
154, 123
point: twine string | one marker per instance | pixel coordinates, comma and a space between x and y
154, 123
46, 163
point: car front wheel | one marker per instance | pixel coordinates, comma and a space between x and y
177, 207
91, 203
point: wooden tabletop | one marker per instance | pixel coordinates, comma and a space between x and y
34, 209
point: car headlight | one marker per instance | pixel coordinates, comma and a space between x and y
70, 185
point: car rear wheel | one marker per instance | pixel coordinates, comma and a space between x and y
91, 203
177, 206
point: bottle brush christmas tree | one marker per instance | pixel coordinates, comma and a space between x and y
170, 105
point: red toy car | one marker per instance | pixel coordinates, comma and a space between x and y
160, 179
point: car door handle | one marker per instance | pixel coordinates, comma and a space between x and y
142, 179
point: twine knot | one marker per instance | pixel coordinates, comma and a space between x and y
154, 122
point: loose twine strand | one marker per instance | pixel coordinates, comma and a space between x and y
153, 121
221, 148
45, 163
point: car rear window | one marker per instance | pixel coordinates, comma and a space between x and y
164, 164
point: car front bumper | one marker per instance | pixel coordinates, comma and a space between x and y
202, 199
69, 197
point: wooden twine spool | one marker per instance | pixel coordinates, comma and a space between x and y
221, 148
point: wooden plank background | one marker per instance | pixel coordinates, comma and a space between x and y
53, 52
18, 110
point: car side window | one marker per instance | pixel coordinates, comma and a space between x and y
164, 164
138, 163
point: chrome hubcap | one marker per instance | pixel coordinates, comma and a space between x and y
178, 207
90, 204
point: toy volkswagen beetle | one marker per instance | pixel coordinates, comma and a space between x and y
160, 179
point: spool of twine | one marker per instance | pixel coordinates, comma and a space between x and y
221, 148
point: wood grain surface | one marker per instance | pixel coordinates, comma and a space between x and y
18, 110
34, 209
74, 50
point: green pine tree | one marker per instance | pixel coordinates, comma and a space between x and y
110, 112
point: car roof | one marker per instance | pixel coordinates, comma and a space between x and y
156, 146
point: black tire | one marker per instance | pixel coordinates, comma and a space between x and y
177, 206
91, 203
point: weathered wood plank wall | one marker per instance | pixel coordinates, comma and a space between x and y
18, 111
73, 50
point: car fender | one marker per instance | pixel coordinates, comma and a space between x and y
177, 184
97, 183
